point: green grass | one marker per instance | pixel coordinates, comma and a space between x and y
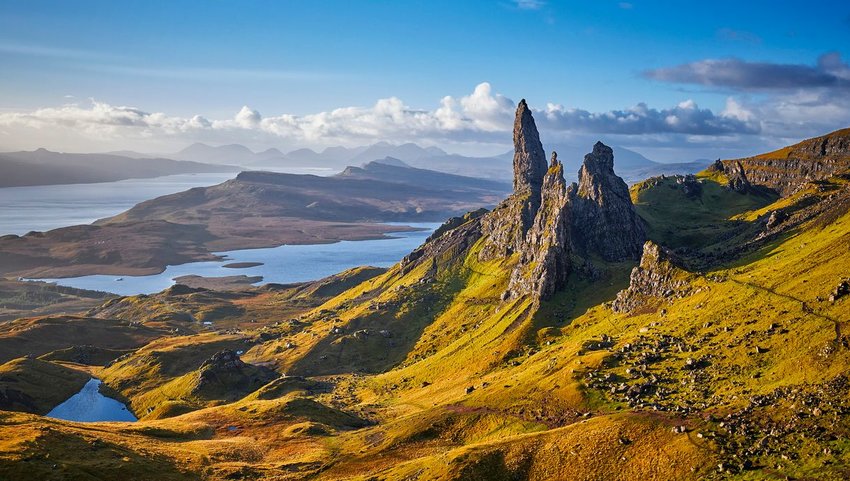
675, 220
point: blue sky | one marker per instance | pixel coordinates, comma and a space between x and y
292, 63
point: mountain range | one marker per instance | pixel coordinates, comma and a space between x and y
632, 166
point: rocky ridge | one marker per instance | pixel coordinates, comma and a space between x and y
788, 169
506, 227
545, 264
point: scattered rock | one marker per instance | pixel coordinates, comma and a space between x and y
841, 290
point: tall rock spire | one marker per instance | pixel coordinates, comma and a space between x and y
506, 227
529, 157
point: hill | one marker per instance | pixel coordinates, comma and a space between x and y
43, 167
688, 327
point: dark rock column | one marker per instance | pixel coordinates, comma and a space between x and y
505, 228
544, 264
604, 219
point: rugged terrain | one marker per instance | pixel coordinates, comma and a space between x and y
691, 327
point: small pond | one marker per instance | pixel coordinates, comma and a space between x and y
89, 405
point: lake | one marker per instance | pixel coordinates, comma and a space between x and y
283, 264
23, 209
45, 207
89, 405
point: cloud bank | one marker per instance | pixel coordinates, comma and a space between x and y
483, 116
766, 105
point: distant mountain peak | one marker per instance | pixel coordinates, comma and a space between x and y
389, 161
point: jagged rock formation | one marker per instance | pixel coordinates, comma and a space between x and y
545, 262
737, 177
786, 169
690, 185
506, 227
529, 157
657, 277
604, 221
544, 221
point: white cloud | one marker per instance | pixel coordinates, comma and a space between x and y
481, 118
248, 118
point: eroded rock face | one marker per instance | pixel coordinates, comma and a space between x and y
451, 241
604, 221
506, 226
657, 277
737, 177
545, 264
529, 157
788, 169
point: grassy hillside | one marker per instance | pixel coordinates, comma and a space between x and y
424, 371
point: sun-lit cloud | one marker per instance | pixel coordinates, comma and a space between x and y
481, 117
684, 118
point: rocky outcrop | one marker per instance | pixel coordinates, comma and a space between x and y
737, 178
449, 244
658, 277
691, 187
506, 226
545, 264
225, 376
787, 170
604, 221
545, 222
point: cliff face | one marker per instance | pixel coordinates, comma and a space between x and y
604, 221
545, 263
545, 222
785, 170
529, 157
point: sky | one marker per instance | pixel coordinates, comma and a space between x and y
673, 80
